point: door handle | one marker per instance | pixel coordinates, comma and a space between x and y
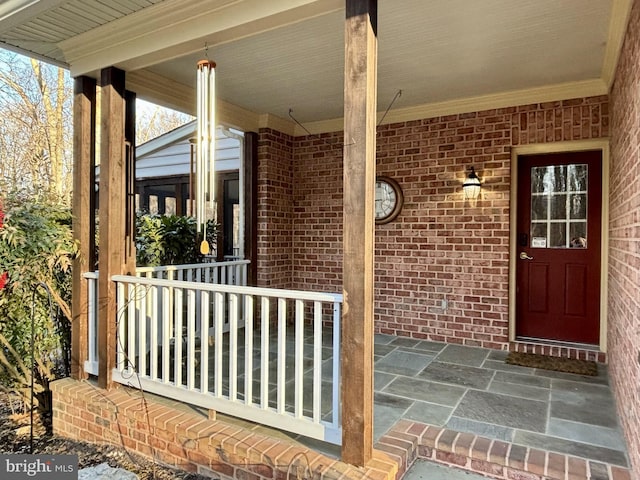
524, 256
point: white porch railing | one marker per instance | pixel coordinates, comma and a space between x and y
265, 354
276, 365
226, 273
91, 364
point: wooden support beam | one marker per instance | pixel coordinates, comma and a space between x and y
360, 91
130, 181
112, 215
250, 166
84, 141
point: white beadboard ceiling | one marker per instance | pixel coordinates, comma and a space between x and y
434, 51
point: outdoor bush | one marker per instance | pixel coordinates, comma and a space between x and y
36, 252
169, 240
36, 255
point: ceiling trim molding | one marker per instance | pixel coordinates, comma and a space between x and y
551, 93
171, 94
179, 27
279, 124
35, 55
620, 12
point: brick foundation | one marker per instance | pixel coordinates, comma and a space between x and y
189, 440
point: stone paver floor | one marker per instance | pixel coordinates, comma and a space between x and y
470, 389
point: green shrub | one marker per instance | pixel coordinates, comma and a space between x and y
36, 252
169, 240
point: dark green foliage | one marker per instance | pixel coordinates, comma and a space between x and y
36, 251
169, 240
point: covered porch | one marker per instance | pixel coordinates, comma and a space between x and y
340, 315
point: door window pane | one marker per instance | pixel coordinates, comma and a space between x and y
578, 206
559, 206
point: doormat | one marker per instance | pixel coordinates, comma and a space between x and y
558, 364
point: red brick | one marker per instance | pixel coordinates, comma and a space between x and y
536, 461
556, 465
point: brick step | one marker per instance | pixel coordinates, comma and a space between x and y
408, 441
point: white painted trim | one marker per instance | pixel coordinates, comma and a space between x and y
549, 93
167, 92
601, 144
17, 12
176, 135
171, 94
175, 28
266, 416
620, 11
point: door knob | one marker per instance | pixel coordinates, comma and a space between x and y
524, 256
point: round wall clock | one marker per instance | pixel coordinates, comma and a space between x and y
388, 201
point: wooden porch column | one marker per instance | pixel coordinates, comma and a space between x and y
84, 146
112, 215
250, 163
130, 182
359, 180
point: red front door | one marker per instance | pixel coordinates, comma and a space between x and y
558, 247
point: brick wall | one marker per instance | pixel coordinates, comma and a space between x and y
275, 210
624, 238
440, 247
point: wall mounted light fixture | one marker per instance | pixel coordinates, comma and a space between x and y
471, 186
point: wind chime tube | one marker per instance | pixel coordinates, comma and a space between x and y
212, 138
205, 155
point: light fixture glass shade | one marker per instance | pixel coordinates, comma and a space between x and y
471, 186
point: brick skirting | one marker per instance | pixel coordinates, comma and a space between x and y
190, 441
187, 439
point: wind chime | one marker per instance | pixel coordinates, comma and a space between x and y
205, 150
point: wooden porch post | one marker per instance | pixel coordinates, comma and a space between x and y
84, 145
359, 179
250, 164
112, 215
130, 182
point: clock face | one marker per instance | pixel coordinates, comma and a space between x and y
388, 200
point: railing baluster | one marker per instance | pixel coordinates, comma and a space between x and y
218, 323
264, 353
177, 342
335, 410
317, 361
92, 330
233, 346
282, 354
120, 320
299, 360
191, 343
153, 337
141, 303
248, 349
204, 343
166, 335
130, 360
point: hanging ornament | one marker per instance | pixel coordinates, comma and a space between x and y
205, 149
